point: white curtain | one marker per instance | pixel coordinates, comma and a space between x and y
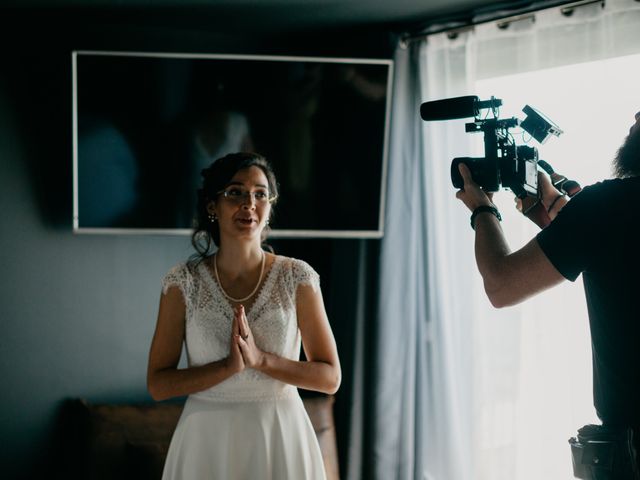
465, 391
422, 401
401, 386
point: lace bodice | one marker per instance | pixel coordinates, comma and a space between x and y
271, 317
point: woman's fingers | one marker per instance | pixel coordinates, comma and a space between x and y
238, 314
235, 356
235, 326
243, 324
251, 354
235, 359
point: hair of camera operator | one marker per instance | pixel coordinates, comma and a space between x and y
481, 209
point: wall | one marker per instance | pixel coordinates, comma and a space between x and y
77, 311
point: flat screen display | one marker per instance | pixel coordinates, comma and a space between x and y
146, 124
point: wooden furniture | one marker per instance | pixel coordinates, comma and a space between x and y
105, 441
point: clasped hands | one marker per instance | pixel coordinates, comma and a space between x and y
243, 351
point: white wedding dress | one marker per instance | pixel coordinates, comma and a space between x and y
250, 426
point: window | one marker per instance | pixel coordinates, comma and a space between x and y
533, 377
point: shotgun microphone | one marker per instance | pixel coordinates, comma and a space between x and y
458, 107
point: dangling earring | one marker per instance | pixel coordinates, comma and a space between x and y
212, 217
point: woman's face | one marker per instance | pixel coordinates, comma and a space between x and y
242, 208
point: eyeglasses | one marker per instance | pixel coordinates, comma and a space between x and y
239, 196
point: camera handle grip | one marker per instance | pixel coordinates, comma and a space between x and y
532, 206
562, 183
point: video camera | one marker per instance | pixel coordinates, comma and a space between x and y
505, 163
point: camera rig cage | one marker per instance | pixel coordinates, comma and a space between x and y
505, 163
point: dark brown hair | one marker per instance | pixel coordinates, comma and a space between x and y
627, 160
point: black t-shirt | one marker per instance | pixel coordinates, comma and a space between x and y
598, 234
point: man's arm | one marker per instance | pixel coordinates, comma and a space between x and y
509, 278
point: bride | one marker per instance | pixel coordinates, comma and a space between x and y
242, 315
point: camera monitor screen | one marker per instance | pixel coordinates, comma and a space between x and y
145, 125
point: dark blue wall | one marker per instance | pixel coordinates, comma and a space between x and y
76, 311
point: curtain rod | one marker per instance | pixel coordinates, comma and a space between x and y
504, 17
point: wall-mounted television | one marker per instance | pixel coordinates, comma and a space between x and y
146, 124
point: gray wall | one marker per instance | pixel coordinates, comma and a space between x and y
77, 312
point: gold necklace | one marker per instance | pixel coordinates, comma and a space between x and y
238, 300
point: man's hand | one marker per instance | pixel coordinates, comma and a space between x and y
508, 278
552, 199
471, 194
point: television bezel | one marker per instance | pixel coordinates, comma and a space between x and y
275, 233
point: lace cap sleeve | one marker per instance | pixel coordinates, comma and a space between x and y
304, 274
179, 276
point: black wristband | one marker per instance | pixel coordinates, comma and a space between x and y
484, 208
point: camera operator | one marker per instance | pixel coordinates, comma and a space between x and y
597, 234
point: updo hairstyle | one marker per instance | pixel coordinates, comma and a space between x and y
214, 179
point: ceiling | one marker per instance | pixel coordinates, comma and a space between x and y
286, 15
